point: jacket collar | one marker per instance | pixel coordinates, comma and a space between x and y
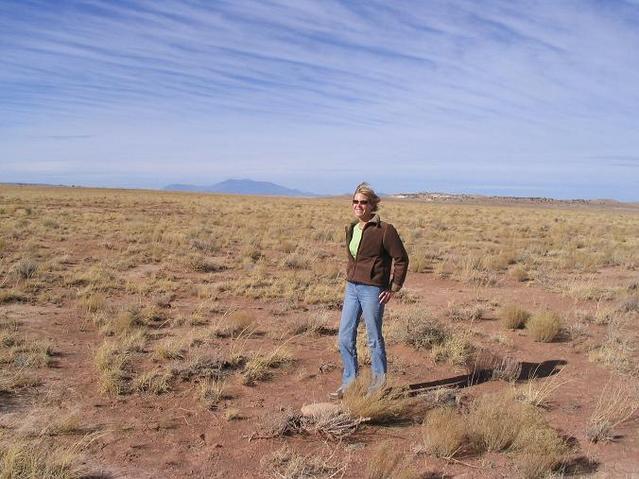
374, 220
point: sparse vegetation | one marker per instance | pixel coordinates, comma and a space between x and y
110, 296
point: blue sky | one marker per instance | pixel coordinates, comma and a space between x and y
530, 98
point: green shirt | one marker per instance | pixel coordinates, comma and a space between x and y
357, 237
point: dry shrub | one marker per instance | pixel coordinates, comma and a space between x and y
280, 423
330, 423
202, 264
513, 317
288, 464
334, 427
618, 349
416, 328
380, 406
616, 404
630, 305
296, 260
601, 315
12, 296
498, 422
456, 349
465, 312
495, 420
363, 351
314, 324
544, 327
445, 432
540, 451
24, 269
234, 324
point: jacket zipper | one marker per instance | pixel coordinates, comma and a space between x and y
360, 242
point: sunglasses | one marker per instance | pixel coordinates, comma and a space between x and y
360, 202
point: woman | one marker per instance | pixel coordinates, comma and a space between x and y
374, 250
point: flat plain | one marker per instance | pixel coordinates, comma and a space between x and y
150, 334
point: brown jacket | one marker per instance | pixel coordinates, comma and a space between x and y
379, 247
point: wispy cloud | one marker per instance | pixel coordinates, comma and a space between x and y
309, 85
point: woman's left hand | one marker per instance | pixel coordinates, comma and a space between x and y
385, 296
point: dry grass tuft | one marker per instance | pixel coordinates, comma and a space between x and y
544, 327
378, 407
170, 348
259, 366
111, 364
618, 349
617, 404
233, 414
513, 317
12, 296
92, 303
540, 451
456, 349
21, 352
153, 382
465, 312
67, 424
24, 269
495, 420
539, 392
234, 324
315, 324
202, 264
416, 328
211, 392
38, 459
445, 432
384, 462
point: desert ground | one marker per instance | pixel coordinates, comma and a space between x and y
148, 334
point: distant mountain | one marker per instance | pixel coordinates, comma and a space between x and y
241, 187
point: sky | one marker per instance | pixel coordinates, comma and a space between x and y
521, 98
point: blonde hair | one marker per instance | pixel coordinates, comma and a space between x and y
366, 190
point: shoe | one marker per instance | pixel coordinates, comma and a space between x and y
337, 395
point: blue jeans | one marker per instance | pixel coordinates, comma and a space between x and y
362, 300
